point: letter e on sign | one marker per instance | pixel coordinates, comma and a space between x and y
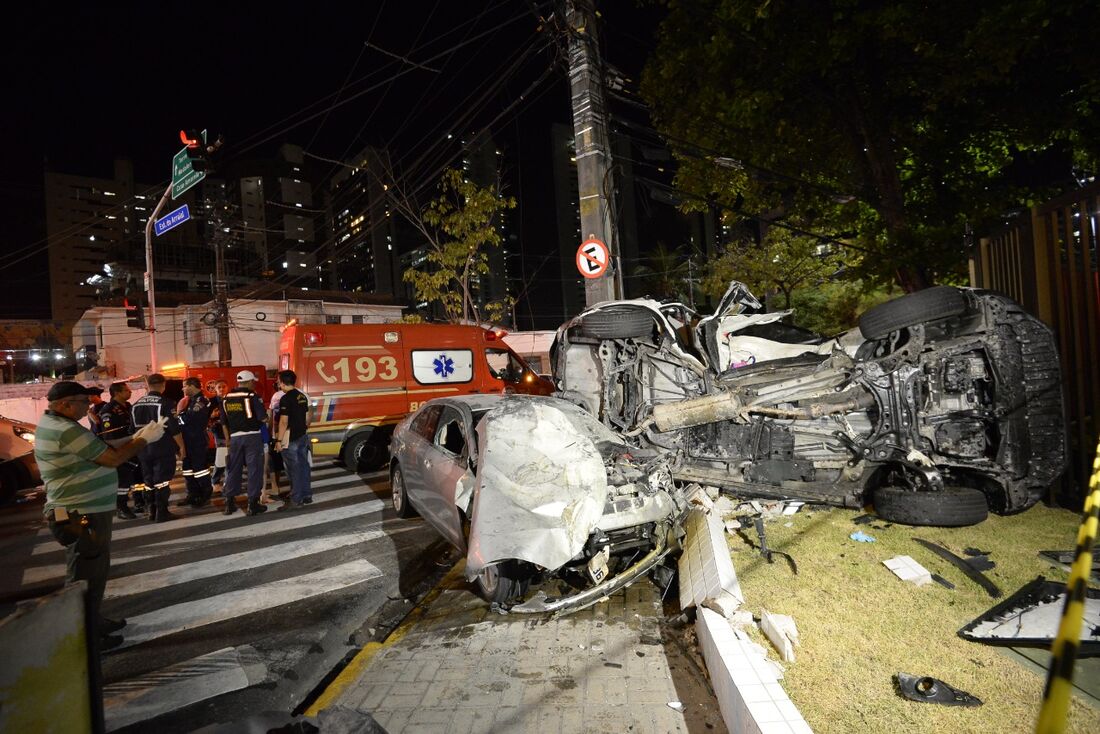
592, 258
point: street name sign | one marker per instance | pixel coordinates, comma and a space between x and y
183, 175
172, 220
592, 258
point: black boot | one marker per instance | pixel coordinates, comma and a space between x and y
255, 508
124, 512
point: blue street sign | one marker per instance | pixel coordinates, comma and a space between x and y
170, 221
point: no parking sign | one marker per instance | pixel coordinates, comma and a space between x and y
592, 258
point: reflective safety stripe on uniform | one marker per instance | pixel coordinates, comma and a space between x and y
162, 485
201, 474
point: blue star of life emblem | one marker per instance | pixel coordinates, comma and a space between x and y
444, 366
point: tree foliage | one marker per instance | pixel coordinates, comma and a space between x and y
667, 273
890, 124
784, 261
459, 226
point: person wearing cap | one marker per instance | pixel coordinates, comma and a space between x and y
221, 452
194, 417
244, 413
79, 471
158, 460
115, 425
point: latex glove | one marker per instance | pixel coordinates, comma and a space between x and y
151, 432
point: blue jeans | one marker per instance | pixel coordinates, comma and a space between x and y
248, 449
296, 461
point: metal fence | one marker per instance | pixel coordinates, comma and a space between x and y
1048, 262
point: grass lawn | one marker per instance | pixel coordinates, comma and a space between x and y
860, 625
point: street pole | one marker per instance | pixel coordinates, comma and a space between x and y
221, 301
593, 154
149, 279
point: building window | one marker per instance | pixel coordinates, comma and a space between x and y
332, 318
357, 319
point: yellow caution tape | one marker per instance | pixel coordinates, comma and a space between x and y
1059, 688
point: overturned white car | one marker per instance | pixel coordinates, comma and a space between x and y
532, 486
942, 405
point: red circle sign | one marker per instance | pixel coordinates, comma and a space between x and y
592, 258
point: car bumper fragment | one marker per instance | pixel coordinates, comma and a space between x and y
540, 603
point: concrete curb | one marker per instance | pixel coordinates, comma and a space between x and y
354, 669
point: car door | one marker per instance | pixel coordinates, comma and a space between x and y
411, 455
443, 463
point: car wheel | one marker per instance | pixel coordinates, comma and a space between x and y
909, 310
617, 322
362, 453
400, 496
502, 582
9, 483
950, 507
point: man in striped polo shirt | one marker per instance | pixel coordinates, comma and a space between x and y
78, 469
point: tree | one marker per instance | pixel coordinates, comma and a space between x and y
666, 273
893, 124
784, 261
459, 227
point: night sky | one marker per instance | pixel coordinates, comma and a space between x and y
92, 82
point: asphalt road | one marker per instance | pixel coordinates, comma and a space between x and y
231, 616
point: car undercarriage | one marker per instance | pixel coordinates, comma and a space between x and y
942, 405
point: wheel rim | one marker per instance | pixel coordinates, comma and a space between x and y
489, 578
398, 495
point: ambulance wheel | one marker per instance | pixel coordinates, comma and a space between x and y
362, 452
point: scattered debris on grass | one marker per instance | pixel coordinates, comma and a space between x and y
906, 569
1030, 618
1064, 559
963, 565
927, 689
942, 581
862, 537
780, 630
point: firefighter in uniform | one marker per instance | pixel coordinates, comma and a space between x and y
194, 417
244, 413
115, 425
158, 459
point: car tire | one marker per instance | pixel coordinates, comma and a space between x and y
400, 495
950, 507
502, 582
362, 453
617, 322
909, 310
9, 483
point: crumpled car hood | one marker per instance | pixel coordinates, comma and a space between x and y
542, 485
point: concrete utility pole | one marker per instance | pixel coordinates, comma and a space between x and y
149, 278
221, 295
594, 176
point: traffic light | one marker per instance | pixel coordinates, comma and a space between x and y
196, 149
201, 154
135, 316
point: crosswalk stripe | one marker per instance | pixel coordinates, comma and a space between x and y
234, 604
179, 685
243, 529
270, 555
190, 521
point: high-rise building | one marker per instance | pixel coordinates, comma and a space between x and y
362, 229
277, 218
96, 241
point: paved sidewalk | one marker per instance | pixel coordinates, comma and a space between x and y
458, 667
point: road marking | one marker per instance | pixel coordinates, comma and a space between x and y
234, 604
244, 529
257, 558
191, 521
179, 685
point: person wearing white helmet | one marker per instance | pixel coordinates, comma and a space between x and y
244, 413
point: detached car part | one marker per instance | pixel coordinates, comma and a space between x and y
943, 405
1030, 618
926, 689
